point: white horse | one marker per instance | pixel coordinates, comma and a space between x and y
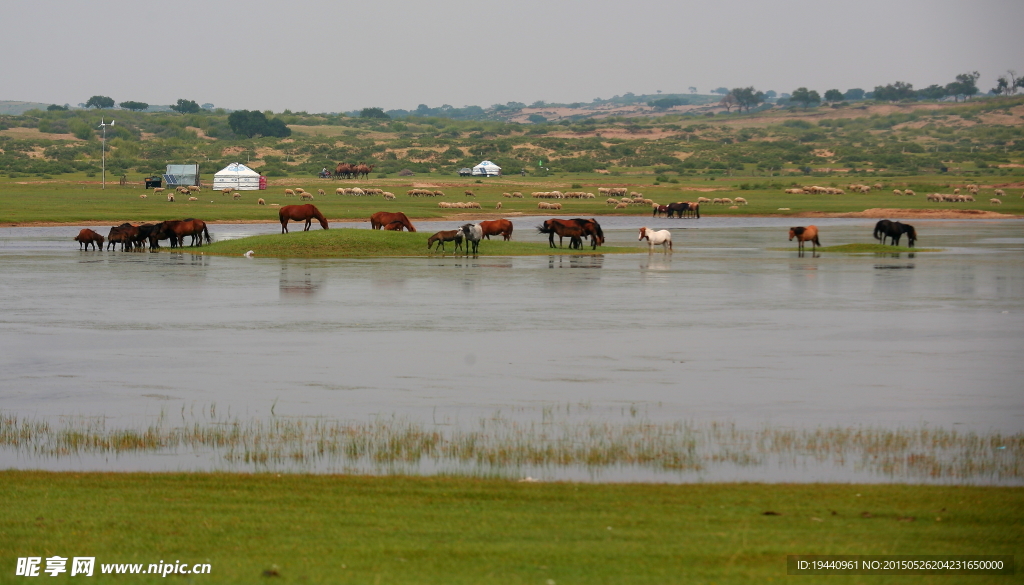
473, 233
663, 237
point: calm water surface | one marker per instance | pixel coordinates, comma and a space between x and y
728, 328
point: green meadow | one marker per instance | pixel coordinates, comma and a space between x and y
352, 529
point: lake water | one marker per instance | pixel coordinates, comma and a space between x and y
727, 328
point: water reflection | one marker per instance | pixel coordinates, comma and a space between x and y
299, 279
590, 261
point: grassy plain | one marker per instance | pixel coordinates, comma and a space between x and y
77, 199
350, 529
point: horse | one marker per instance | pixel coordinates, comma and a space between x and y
683, 208
497, 227
894, 230
593, 229
663, 237
659, 209
304, 213
176, 230
117, 235
86, 237
472, 233
805, 234
446, 236
565, 228
395, 226
383, 218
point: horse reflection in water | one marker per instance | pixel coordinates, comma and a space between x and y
564, 261
298, 279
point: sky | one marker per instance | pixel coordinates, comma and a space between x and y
330, 56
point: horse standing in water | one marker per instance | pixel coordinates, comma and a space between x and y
654, 238
805, 234
86, 237
304, 213
894, 230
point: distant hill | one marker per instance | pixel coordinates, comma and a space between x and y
18, 108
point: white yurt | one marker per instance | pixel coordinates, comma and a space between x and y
237, 176
486, 169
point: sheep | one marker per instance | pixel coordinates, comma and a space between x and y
236, 196
877, 186
358, 192
717, 201
498, 206
999, 193
865, 189
306, 196
193, 199
703, 200
969, 198
320, 192
897, 192
194, 189
611, 201
622, 206
299, 190
158, 190
740, 201
388, 196
339, 191
935, 197
143, 196
726, 201
261, 202
909, 193
470, 194
170, 197
289, 193
226, 191
956, 191
995, 201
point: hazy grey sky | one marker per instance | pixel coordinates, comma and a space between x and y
322, 55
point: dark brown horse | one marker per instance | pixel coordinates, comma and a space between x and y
682, 209
805, 234
304, 213
564, 228
593, 229
497, 227
383, 218
446, 236
395, 226
176, 230
86, 237
894, 230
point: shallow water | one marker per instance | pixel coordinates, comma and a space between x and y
727, 328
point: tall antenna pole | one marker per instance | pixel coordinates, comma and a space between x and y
103, 174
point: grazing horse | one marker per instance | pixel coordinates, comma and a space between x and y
395, 226
663, 237
593, 229
805, 234
565, 228
383, 218
497, 227
472, 233
304, 213
446, 236
894, 230
176, 230
86, 237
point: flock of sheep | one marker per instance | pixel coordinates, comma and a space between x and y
956, 197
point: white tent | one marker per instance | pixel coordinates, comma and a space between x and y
237, 176
486, 169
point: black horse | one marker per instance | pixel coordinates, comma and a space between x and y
683, 208
894, 230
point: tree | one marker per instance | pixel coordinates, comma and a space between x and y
854, 94
806, 97
833, 95
721, 90
932, 92
728, 102
537, 119
100, 101
693, 89
186, 107
665, 103
747, 97
895, 92
375, 113
770, 94
966, 85
134, 106
251, 123
56, 108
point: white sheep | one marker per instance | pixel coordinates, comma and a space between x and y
261, 202
995, 201
740, 201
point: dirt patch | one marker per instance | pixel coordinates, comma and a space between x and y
884, 213
35, 134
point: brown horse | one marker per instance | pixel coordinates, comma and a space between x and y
86, 237
565, 228
805, 234
395, 226
304, 213
446, 236
383, 218
593, 229
497, 227
176, 230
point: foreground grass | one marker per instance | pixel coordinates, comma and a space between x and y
361, 243
346, 529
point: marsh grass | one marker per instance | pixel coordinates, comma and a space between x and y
357, 243
501, 445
